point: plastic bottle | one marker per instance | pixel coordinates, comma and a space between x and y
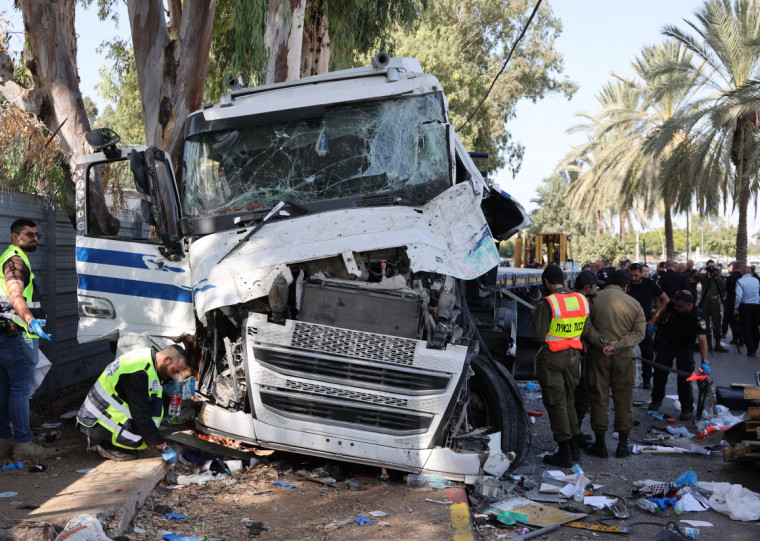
419, 480
580, 490
688, 531
646, 505
175, 398
577, 469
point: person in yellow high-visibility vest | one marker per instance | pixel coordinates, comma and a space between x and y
560, 321
21, 322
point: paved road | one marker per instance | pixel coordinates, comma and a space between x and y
617, 475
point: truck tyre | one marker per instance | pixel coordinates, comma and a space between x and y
494, 401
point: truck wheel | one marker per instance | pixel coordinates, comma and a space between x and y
495, 402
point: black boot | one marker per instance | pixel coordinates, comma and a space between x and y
575, 447
563, 457
622, 448
598, 448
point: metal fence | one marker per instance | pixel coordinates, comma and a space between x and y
54, 267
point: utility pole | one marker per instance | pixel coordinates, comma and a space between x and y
688, 237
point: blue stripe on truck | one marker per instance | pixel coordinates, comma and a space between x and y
124, 259
135, 288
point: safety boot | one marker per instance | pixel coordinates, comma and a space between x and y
29, 450
719, 347
575, 447
599, 448
622, 450
563, 457
6, 446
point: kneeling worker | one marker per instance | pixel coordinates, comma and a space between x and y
125, 406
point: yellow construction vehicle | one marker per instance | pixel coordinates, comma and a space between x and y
539, 250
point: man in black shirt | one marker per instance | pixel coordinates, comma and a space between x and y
683, 323
645, 291
713, 293
671, 281
728, 305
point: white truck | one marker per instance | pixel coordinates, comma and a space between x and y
331, 247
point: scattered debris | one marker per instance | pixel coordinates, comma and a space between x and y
83, 528
87, 470
361, 520
284, 485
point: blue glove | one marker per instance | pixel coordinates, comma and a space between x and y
35, 326
706, 368
169, 456
175, 516
362, 520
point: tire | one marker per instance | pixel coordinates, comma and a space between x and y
495, 402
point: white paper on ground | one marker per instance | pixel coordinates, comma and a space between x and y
547, 488
597, 487
697, 523
598, 501
554, 474
378, 513
567, 490
690, 503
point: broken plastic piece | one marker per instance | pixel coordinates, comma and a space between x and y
175, 516
361, 520
13, 466
284, 485
170, 536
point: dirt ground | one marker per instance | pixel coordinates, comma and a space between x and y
230, 508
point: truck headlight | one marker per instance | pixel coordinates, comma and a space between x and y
96, 307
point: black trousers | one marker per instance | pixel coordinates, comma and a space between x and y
749, 315
647, 352
684, 357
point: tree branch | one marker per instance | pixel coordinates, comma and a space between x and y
28, 100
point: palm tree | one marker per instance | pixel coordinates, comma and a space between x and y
624, 175
719, 138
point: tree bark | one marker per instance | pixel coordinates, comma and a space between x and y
170, 72
741, 228
316, 43
670, 249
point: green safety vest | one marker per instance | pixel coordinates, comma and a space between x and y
104, 406
6, 308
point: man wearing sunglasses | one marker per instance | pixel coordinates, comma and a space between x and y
21, 322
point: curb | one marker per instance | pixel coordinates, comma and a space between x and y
460, 515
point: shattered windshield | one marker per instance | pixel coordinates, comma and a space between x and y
352, 150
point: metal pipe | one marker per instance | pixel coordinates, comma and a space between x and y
536, 533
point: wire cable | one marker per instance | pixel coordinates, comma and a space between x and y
503, 67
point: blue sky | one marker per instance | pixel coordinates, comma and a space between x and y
598, 37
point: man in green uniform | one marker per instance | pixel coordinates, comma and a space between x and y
617, 317
560, 321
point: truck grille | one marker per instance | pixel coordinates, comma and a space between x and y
338, 412
374, 376
356, 344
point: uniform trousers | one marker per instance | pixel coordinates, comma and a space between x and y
684, 357
558, 375
614, 375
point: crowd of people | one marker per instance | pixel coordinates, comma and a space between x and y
590, 336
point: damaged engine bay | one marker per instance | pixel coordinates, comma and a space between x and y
374, 295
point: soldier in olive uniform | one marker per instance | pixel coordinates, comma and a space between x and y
617, 317
560, 321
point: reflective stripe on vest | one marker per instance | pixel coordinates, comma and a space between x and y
104, 406
6, 308
569, 313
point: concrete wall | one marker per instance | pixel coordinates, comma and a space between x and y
53, 265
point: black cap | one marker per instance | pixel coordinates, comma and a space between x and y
587, 277
554, 275
684, 296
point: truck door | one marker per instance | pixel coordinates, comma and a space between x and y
133, 276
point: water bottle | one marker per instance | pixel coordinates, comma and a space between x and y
418, 480
577, 469
175, 398
646, 505
688, 531
580, 490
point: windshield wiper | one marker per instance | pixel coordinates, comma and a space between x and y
277, 209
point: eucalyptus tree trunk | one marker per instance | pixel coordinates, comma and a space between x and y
670, 249
622, 228
170, 71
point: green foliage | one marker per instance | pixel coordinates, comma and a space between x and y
506, 248
464, 44
119, 86
554, 211
592, 246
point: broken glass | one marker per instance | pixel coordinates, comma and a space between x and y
352, 150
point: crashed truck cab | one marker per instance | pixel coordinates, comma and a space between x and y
331, 246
